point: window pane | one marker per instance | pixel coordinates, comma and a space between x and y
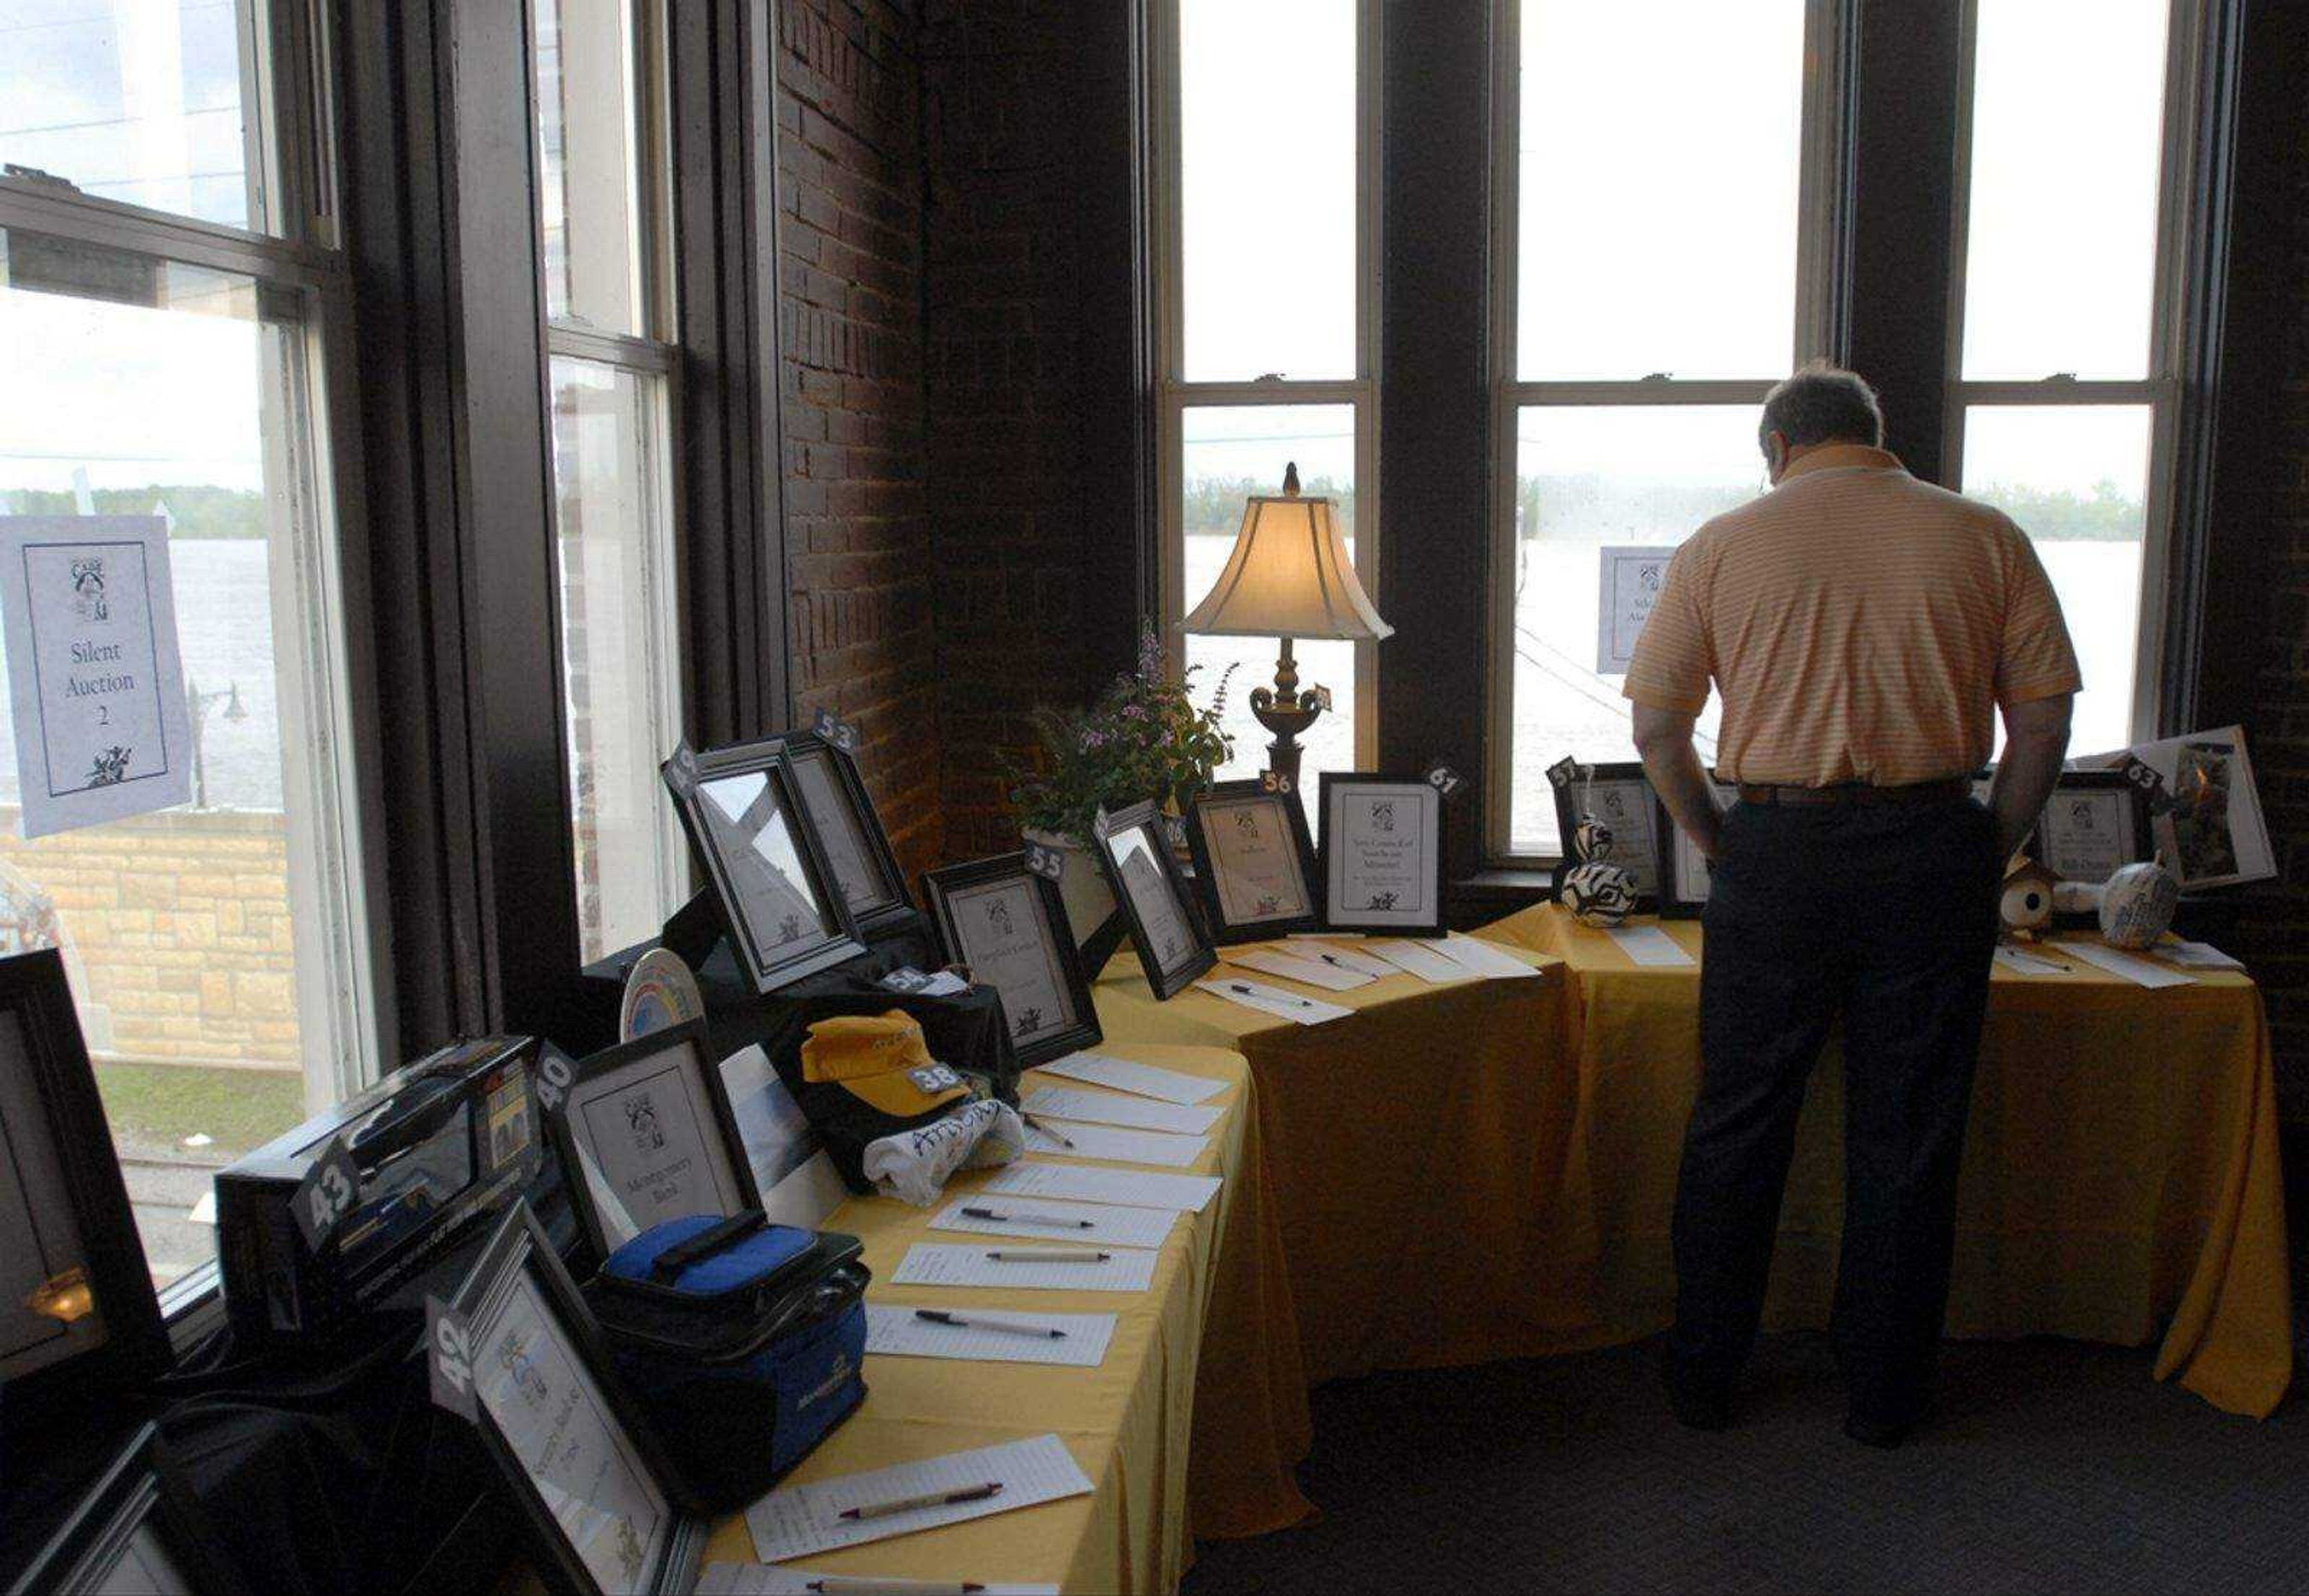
1231, 453
2075, 478
1659, 147
144, 103
1266, 96
204, 953
612, 520
1587, 479
2067, 131
589, 97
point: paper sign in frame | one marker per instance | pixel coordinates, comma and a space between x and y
1438, 868
519, 1244
939, 891
1146, 818
684, 1048
107, 1245
687, 776
1678, 854
1290, 818
140, 1488
892, 909
2138, 840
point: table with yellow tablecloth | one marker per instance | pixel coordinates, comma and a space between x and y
2121, 1179
1419, 1157
1211, 1349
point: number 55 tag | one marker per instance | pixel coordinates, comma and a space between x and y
325, 1195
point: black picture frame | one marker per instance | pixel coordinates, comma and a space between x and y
1680, 865
61, 1134
769, 964
139, 1490
680, 1048
1194, 958
886, 907
947, 891
520, 1246
1339, 784
1289, 819
1621, 792
2134, 839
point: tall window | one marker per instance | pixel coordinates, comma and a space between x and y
601, 186
177, 316
2061, 346
1661, 222
1266, 223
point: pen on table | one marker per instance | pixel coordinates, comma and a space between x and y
1039, 1332
868, 1585
988, 1213
976, 1493
1277, 997
1060, 1137
1048, 1255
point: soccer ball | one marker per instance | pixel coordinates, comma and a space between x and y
1599, 894
2137, 904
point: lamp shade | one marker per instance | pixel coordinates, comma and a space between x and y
1287, 577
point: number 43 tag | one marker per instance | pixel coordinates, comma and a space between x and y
325, 1195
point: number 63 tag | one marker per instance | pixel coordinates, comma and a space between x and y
325, 1195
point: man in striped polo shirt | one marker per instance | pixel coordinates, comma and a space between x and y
1864, 629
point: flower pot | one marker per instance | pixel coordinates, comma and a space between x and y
1083, 886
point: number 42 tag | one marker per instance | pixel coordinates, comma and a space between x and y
325, 1195
449, 1347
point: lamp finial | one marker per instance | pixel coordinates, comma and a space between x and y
1291, 480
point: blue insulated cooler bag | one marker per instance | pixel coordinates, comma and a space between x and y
746, 1341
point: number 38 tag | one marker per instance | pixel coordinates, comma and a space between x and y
325, 1195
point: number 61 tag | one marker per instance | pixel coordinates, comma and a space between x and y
325, 1195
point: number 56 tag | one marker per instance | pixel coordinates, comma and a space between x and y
325, 1195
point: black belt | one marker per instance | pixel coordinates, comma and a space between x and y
1859, 791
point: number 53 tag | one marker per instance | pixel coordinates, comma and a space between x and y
325, 1195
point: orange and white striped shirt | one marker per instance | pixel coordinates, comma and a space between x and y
1862, 626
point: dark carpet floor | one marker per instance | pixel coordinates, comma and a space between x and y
2051, 1466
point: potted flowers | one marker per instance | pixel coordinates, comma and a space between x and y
1143, 738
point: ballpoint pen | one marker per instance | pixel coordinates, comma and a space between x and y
976, 1493
1035, 1122
1003, 1219
1038, 1331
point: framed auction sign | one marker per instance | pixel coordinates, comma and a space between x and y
1254, 861
516, 1352
137, 1531
1618, 796
2095, 821
1008, 926
1134, 850
1382, 854
78, 1317
786, 914
857, 847
1684, 874
646, 1134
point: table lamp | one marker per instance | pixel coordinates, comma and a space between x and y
1288, 576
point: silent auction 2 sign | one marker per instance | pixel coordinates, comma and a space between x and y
94, 679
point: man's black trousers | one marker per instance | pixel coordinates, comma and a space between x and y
1884, 914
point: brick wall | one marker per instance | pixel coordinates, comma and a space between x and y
174, 928
2274, 931
1011, 493
850, 306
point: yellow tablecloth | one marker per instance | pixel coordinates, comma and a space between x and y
1212, 1347
1420, 1155
2121, 1179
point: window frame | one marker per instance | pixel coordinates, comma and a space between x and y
334, 806
2159, 387
655, 356
1822, 210
1174, 395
